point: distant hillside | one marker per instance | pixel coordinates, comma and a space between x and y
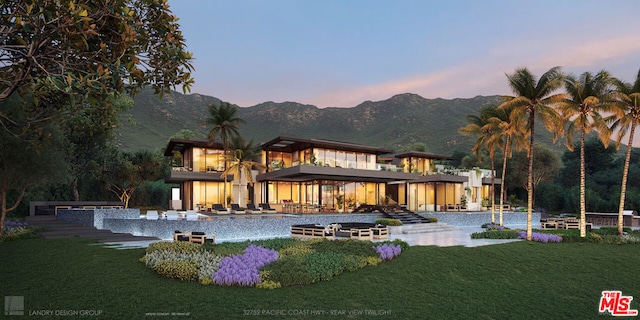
391, 123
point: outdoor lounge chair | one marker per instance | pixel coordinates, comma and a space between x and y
152, 215
266, 208
201, 238
172, 215
251, 208
181, 236
219, 209
235, 208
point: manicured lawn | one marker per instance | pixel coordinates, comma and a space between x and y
517, 280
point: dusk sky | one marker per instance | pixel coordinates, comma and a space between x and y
339, 53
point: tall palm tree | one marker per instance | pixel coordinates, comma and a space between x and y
535, 99
241, 160
514, 134
582, 110
224, 122
627, 96
487, 138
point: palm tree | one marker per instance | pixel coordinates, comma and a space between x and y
627, 96
488, 138
224, 123
535, 99
586, 100
241, 160
513, 131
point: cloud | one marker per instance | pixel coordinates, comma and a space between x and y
486, 75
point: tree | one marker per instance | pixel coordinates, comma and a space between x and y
88, 132
126, 171
546, 166
61, 52
414, 146
586, 100
241, 159
506, 125
489, 138
535, 99
224, 122
23, 167
627, 96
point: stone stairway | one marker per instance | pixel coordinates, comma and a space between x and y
61, 229
421, 228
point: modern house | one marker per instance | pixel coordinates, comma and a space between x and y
311, 175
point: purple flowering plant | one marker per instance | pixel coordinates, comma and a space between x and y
13, 227
244, 269
388, 251
541, 237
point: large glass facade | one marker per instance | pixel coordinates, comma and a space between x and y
321, 157
420, 166
208, 160
325, 193
433, 196
207, 193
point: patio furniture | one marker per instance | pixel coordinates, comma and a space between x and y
266, 208
235, 208
152, 215
219, 209
172, 215
381, 232
181, 236
201, 237
305, 231
251, 208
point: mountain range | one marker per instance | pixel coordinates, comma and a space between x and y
392, 123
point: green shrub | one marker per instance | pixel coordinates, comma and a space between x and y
373, 261
297, 249
496, 234
388, 222
609, 230
18, 230
346, 246
175, 246
323, 266
269, 285
432, 219
629, 239
288, 271
226, 249
205, 281
353, 263
182, 270
276, 243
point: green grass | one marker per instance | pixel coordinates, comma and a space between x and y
517, 280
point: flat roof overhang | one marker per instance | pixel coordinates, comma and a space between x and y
288, 145
440, 178
182, 176
182, 145
310, 173
488, 181
422, 155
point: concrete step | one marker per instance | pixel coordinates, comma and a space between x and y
421, 228
61, 229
